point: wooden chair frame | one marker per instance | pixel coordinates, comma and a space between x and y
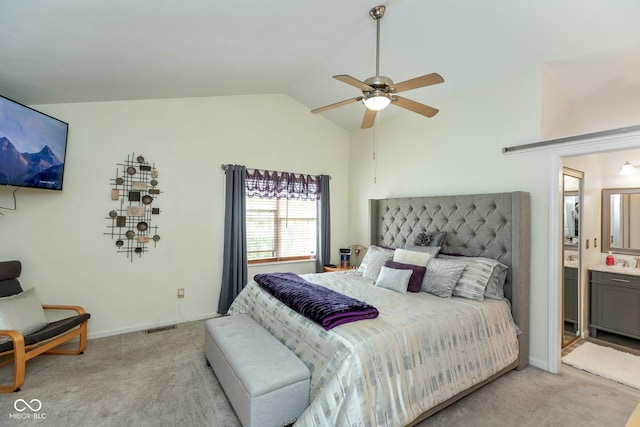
20, 353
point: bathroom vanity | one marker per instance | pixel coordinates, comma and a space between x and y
615, 300
571, 298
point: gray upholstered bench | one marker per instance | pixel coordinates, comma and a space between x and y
265, 382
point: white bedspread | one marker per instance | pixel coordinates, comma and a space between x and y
419, 352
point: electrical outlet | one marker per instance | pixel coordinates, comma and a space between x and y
180, 292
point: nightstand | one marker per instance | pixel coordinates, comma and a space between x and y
337, 268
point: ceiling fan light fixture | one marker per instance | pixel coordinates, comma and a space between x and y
377, 102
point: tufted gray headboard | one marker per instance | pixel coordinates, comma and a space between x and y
489, 225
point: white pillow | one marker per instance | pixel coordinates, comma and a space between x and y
394, 279
433, 250
412, 257
373, 261
22, 312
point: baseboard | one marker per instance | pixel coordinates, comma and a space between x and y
539, 364
146, 326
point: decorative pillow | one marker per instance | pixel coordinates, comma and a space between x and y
394, 279
430, 238
373, 260
433, 250
369, 255
22, 312
415, 282
441, 277
412, 257
486, 272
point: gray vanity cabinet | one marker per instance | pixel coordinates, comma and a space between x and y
615, 303
571, 297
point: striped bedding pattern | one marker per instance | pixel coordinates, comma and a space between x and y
419, 352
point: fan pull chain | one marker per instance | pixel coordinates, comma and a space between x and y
375, 146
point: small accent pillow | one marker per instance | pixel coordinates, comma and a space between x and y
433, 250
415, 281
22, 312
394, 279
486, 272
412, 257
441, 277
430, 238
373, 261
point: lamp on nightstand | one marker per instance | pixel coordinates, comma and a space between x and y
356, 250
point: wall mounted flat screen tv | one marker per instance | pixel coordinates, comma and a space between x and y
33, 146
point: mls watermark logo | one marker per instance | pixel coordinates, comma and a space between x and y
30, 410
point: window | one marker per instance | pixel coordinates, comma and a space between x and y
280, 229
281, 216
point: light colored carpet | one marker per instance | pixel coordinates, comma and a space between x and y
606, 362
162, 379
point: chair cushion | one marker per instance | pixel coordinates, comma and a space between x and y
51, 330
9, 273
22, 312
10, 269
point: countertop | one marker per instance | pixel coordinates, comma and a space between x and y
616, 269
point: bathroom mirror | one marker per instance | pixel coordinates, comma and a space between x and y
621, 220
570, 214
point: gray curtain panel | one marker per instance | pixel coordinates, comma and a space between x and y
324, 224
234, 270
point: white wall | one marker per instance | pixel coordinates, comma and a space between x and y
459, 151
559, 117
59, 235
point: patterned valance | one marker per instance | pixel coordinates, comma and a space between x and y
281, 185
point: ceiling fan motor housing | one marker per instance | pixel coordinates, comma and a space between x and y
381, 83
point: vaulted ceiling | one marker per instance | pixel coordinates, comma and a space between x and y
59, 51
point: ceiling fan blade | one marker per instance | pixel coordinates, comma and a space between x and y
353, 82
336, 105
422, 81
369, 118
416, 107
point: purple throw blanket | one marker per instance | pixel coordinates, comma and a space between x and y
322, 305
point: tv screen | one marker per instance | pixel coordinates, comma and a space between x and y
32, 147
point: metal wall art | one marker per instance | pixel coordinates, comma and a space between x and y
135, 195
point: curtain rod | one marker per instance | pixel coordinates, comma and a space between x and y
224, 168
617, 131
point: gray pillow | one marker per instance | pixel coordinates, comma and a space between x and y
394, 279
373, 261
22, 312
482, 272
441, 277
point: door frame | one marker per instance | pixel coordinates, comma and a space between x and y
579, 175
593, 145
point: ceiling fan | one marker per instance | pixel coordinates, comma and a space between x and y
380, 91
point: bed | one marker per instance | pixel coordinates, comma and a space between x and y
423, 352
